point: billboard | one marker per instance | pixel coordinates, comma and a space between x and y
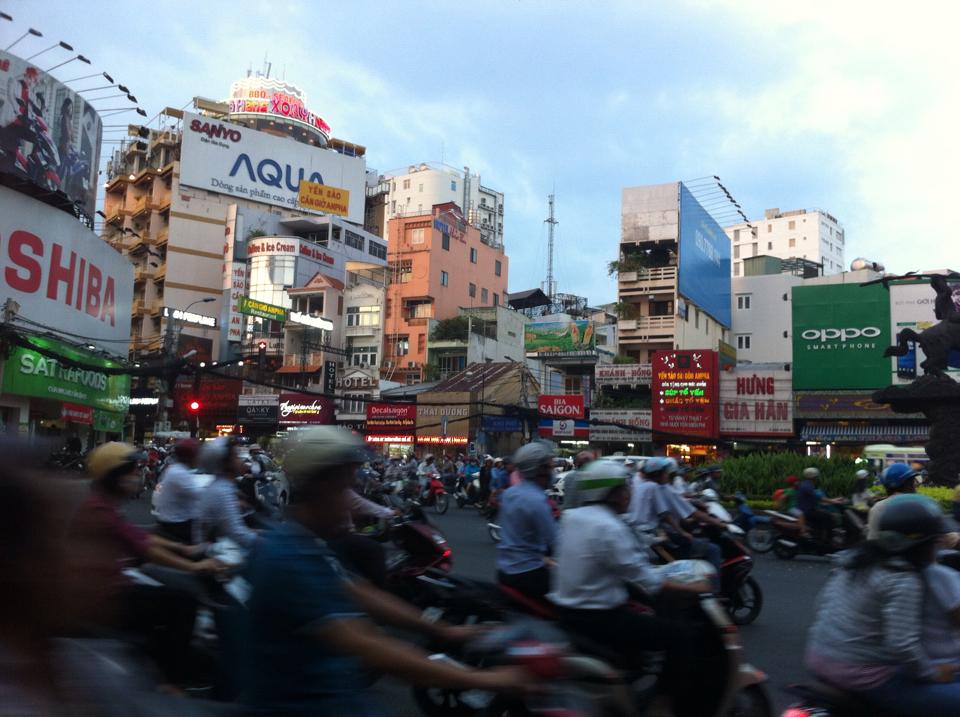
560, 406
685, 393
258, 409
264, 96
840, 332
329, 200
912, 307
641, 421
300, 409
704, 272
756, 402
49, 135
560, 338
391, 417
623, 374
242, 162
62, 274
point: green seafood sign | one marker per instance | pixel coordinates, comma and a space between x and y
30, 373
560, 338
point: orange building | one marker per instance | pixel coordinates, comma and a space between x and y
438, 263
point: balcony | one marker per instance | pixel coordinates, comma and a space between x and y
142, 206
156, 308
647, 281
140, 275
162, 238
115, 215
647, 329
160, 275
139, 307
362, 330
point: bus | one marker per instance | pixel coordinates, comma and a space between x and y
881, 455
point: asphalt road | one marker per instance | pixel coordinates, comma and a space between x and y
774, 643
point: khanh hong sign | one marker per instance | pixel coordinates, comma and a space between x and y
684, 392
627, 374
322, 198
756, 402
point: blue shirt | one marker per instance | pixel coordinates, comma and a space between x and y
297, 584
527, 528
500, 479
808, 497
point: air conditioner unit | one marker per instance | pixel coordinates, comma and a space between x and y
411, 364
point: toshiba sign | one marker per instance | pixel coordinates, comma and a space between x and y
62, 274
560, 406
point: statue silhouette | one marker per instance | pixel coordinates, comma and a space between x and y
940, 339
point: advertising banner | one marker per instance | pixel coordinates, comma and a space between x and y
704, 272
641, 420
234, 274
841, 405
685, 393
563, 428
252, 307
30, 373
391, 417
77, 414
329, 376
560, 338
305, 408
62, 274
840, 332
756, 402
623, 374
241, 162
49, 134
263, 409
501, 424
406, 438
912, 307
258, 96
321, 198
189, 317
443, 413
108, 421
560, 406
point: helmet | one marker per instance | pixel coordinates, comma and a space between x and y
213, 455
584, 457
896, 475
531, 456
672, 466
811, 473
792, 480
186, 449
655, 465
498, 460
862, 474
909, 520
255, 447
321, 447
111, 459
710, 495
596, 479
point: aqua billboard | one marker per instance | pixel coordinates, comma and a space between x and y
704, 273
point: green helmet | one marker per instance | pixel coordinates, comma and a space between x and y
596, 479
318, 448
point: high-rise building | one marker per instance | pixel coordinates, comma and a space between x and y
810, 234
438, 264
673, 273
412, 192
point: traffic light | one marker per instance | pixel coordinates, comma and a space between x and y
194, 406
261, 355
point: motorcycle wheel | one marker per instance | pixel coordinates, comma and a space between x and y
751, 701
441, 502
437, 702
461, 501
494, 531
760, 538
745, 604
784, 551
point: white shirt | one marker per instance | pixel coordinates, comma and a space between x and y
220, 515
597, 554
938, 635
178, 499
646, 504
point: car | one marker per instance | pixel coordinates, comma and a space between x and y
639, 460
272, 486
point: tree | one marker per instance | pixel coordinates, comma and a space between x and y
623, 358
625, 310
452, 329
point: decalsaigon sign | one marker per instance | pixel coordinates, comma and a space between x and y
839, 334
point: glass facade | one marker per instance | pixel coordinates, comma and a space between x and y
269, 275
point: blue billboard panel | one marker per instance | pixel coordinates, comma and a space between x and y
704, 259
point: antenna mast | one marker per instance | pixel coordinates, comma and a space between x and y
550, 286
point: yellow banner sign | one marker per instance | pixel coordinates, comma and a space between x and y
331, 200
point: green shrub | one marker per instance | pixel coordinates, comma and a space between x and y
943, 496
758, 475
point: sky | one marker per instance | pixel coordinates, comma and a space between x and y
846, 106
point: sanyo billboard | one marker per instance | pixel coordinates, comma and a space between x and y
233, 159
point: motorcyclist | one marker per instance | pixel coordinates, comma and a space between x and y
570, 498
257, 466
597, 558
178, 501
866, 637
486, 477
219, 515
679, 510
309, 639
810, 502
861, 498
527, 526
425, 471
896, 479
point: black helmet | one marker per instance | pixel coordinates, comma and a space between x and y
907, 520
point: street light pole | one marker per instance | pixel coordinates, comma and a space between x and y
171, 343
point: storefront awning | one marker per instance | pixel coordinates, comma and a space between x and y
309, 368
906, 433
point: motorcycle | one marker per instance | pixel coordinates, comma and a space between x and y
759, 533
790, 539
419, 555
435, 494
493, 528
39, 164
467, 491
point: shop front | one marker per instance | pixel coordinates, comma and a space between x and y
390, 428
258, 414
444, 423
55, 389
756, 406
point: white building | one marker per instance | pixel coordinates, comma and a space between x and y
810, 234
414, 190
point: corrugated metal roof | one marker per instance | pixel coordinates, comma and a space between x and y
477, 375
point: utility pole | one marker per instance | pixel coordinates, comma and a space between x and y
550, 286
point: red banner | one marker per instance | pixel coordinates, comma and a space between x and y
560, 406
305, 409
388, 417
684, 391
77, 414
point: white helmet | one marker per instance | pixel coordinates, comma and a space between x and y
710, 495
811, 473
862, 473
672, 466
595, 480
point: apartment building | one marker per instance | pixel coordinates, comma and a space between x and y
810, 234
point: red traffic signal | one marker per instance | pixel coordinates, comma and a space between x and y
262, 346
194, 406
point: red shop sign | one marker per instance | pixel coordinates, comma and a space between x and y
76, 413
391, 416
560, 406
684, 392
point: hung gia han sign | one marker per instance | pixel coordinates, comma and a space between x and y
756, 402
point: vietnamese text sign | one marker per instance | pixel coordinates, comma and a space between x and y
685, 393
560, 406
320, 197
640, 422
258, 408
704, 271
391, 416
560, 338
840, 332
756, 402
30, 373
444, 413
252, 307
189, 317
399, 438
77, 414
501, 424
624, 374
305, 408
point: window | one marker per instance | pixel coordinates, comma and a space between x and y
497, 267
377, 250
413, 378
402, 271
451, 364
309, 305
484, 296
743, 341
496, 299
445, 242
791, 224
363, 356
792, 242
406, 184
736, 251
661, 308
393, 206
421, 343
353, 240
419, 309
421, 187
696, 318
453, 186
769, 245
769, 228
353, 403
444, 278
736, 235
402, 346
473, 255
743, 302
736, 269
473, 290
415, 236
363, 316
483, 201
340, 305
